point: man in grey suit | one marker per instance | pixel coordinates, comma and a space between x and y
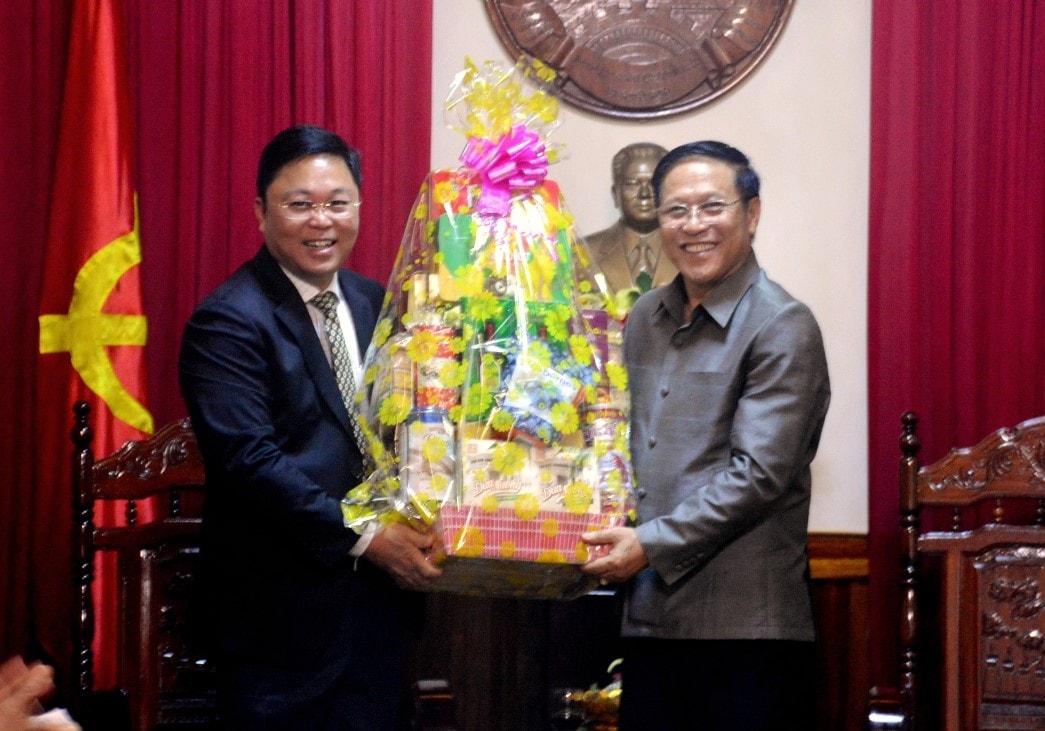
309, 619
729, 388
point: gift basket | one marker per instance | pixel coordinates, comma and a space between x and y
496, 402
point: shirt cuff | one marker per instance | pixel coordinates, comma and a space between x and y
369, 531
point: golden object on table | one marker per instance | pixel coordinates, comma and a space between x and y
601, 708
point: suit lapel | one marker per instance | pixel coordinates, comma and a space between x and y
363, 316
290, 310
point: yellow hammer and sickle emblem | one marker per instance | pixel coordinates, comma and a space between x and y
85, 331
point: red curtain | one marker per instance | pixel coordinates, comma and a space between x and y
956, 323
210, 84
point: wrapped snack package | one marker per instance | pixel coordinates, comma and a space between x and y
496, 402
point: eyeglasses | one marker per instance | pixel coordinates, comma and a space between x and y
678, 214
303, 210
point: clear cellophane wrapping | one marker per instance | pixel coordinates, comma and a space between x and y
496, 402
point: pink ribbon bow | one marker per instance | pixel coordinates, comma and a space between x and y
516, 161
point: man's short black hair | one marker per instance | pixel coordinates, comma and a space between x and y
303, 140
745, 179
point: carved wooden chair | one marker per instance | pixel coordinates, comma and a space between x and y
991, 623
165, 681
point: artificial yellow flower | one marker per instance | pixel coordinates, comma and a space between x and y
556, 220
433, 449
501, 420
618, 376
581, 349
557, 321
538, 356
477, 401
564, 418
444, 192
508, 458
452, 374
394, 409
457, 345
377, 450
550, 527
489, 503
382, 332
469, 542
527, 506
370, 374
483, 306
422, 347
440, 483
591, 394
577, 497
581, 552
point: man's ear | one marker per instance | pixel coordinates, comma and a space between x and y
259, 213
754, 212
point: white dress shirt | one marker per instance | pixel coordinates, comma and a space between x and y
348, 329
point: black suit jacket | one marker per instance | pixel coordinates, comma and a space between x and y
293, 613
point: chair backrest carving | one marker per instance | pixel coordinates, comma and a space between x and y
167, 679
991, 565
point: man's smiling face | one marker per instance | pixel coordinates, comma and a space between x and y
706, 249
314, 248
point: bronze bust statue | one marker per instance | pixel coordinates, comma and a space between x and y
628, 252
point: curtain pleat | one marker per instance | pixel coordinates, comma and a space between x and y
956, 327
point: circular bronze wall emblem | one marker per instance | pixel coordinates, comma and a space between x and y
641, 59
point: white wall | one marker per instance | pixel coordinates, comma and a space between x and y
803, 119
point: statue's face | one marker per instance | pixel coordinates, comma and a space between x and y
633, 194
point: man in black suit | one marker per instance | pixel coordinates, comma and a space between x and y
311, 629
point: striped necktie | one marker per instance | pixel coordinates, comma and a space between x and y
346, 382
641, 258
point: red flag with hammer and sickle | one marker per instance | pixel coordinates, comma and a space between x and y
92, 327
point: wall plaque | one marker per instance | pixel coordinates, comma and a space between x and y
641, 59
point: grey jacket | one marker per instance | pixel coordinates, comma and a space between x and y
727, 412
